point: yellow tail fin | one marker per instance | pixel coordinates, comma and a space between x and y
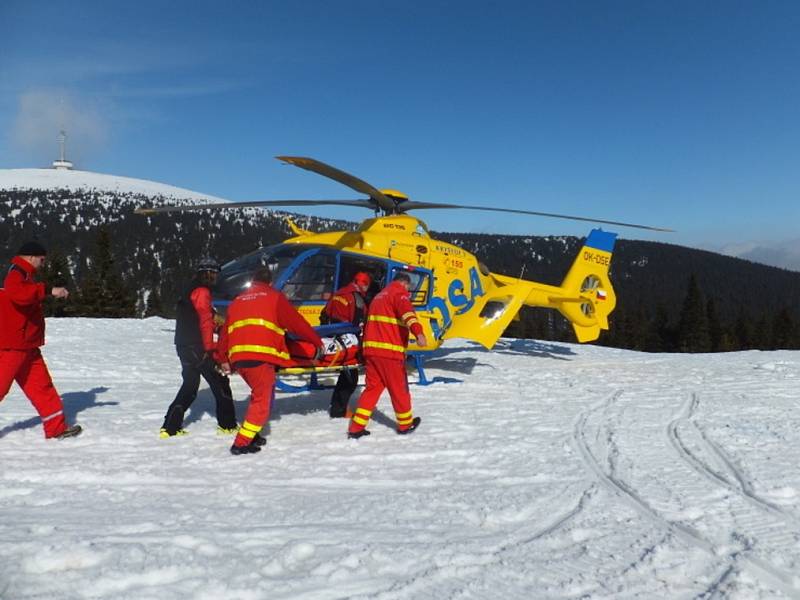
588, 296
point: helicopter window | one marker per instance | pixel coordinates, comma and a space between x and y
313, 280
349, 265
420, 285
494, 309
237, 274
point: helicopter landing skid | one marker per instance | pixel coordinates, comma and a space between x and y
419, 363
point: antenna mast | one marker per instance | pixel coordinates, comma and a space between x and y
62, 163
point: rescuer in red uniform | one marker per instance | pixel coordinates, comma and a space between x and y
390, 319
21, 335
252, 342
347, 305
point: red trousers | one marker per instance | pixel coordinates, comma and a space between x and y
382, 374
261, 380
28, 369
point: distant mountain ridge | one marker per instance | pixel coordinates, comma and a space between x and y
784, 254
65, 210
62, 179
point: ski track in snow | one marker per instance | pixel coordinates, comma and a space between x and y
550, 471
743, 551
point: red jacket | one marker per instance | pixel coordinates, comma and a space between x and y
347, 305
391, 316
201, 300
255, 326
21, 317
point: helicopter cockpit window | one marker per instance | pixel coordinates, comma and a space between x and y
312, 280
349, 265
420, 285
237, 274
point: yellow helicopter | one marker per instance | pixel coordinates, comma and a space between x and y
454, 294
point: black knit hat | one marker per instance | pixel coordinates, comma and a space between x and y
32, 249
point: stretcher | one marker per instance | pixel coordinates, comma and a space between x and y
341, 342
341, 351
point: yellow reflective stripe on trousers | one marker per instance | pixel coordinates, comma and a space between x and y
382, 319
249, 430
408, 421
261, 322
258, 349
362, 416
405, 415
385, 346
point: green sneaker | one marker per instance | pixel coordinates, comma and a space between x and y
226, 430
164, 434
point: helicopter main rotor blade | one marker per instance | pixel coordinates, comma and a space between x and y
359, 185
252, 203
414, 205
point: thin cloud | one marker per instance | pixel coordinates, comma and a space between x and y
43, 114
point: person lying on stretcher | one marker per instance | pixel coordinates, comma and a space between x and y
340, 343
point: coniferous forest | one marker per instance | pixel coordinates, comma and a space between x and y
670, 298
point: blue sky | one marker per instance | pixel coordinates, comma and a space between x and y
675, 114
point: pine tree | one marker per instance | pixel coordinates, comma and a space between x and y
56, 274
783, 330
660, 336
743, 332
693, 334
154, 307
103, 292
714, 326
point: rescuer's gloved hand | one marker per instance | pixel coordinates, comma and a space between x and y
319, 353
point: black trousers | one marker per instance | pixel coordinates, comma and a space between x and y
345, 386
195, 363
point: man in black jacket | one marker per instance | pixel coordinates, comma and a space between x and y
195, 345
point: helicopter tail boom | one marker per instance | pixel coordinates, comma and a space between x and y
585, 297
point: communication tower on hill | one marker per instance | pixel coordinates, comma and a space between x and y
62, 163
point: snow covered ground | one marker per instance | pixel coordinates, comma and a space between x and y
549, 471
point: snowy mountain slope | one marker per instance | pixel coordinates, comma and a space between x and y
548, 471
44, 179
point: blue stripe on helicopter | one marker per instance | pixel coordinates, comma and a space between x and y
601, 240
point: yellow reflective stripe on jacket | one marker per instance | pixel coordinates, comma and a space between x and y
341, 300
385, 346
383, 319
258, 349
262, 322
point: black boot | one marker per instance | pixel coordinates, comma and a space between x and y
337, 411
249, 449
357, 434
258, 440
69, 432
414, 424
